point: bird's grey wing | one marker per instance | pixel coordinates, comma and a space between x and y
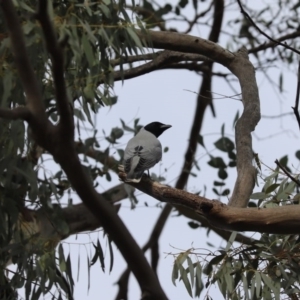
149, 157
148, 152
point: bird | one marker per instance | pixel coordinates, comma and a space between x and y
143, 151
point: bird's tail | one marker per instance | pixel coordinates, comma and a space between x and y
135, 173
133, 176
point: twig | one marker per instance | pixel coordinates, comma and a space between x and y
197, 17
272, 44
296, 108
262, 32
57, 59
286, 172
162, 60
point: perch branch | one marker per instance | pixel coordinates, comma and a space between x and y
277, 220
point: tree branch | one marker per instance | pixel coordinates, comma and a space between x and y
277, 220
204, 98
57, 59
108, 161
20, 112
262, 32
187, 44
24, 67
272, 44
296, 107
163, 59
242, 68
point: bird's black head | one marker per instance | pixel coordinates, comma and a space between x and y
156, 128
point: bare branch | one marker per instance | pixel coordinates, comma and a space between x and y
20, 112
197, 17
204, 99
162, 60
277, 220
57, 59
281, 167
24, 67
273, 44
262, 32
296, 108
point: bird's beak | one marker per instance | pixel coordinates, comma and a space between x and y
165, 127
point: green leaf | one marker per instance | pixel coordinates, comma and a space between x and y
62, 261
135, 38
201, 141
199, 283
175, 272
218, 183
237, 115
183, 3
268, 281
191, 270
245, 284
297, 154
111, 254
259, 195
217, 162
231, 240
280, 83
208, 268
258, 283
222, 174
272, 188
224, 144
193, 225
185, 280
223, 130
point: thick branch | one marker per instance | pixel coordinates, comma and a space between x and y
187, 44
20, 112
111, 222
277, 220
244, 71
57, 59
24, 67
